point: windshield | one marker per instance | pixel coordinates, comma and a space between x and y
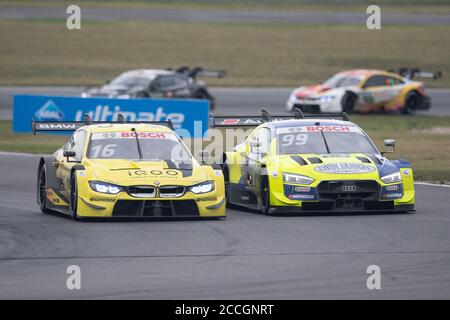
131, 81
155, 146
323, 139
339, 81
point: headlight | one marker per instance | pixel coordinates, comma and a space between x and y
327, 98
203, 187
296, 178
391, 178
104, 187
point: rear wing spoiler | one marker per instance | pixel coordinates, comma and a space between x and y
411, 73
68, 126
199, 71
254, 121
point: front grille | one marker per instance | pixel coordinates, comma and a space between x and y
308, 108
142, 191
171, 191
333, 190
155, 208
348, 196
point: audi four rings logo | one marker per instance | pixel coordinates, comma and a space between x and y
348, 188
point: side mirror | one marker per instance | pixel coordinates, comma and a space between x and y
204, 155
69, 154
389, 143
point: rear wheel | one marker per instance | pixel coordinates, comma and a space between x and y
74, 198
202, 95
142, 94
348, 102
265, 197
42, 190
412, 102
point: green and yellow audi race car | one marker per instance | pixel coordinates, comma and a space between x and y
315, 164
133, 170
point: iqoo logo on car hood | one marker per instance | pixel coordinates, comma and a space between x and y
49, 112
344, 167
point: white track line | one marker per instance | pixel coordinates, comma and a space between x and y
432, 184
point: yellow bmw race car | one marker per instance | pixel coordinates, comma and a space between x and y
126, 170
313, 165
365, 91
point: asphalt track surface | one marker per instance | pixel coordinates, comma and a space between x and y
189, 15
230, 101
247, 256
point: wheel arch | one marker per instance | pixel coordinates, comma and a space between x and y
52, 180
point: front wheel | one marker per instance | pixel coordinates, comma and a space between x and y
412, 101
74, 198
42, 190
265, 197
348, 102
226, 179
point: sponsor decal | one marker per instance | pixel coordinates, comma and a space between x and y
132, 135
348, 188
391, 192
98, 199
302, 189
206, 199
302, 196
49, 112
146, 174
343, 129
303, 193
344, 168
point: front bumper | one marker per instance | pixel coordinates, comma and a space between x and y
345, 196
142, 203
425, 103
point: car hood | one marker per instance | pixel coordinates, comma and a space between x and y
113, 90
310, 91
337, 166
128, 172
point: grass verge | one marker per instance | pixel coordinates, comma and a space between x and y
46, 53
425, 141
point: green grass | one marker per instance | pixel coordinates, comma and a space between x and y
28, 143
397, 6
428, 151
46, 53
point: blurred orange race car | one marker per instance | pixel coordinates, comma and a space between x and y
365, 91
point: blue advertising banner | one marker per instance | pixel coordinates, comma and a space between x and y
189, 116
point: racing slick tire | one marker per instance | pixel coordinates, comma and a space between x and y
348, 102
265, 197
226, 179
142, 94
73, 206
412, 103
202, 95
42, 190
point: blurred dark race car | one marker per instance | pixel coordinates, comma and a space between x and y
158, 83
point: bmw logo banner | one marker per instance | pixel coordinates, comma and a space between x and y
189, 116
